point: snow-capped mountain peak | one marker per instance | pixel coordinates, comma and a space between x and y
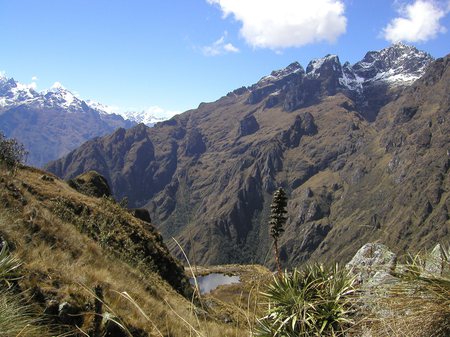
59, 96
13, 92
148, 117
278, 75
396, 65
317, 66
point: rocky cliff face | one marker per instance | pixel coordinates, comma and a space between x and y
50, 123
361, 156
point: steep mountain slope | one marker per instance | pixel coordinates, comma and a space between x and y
346, 142
50, 123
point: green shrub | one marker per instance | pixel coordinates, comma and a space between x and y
315, 301
12, 152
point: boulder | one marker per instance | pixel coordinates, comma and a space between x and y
140, 213
437, 262
373, 263
92, 184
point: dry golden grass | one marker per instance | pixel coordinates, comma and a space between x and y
61, 263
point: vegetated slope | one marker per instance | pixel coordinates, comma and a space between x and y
70, 243
50, 123
360, 150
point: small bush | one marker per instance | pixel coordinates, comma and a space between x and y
316, 301
12, 152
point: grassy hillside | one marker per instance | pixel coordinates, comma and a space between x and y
70, 243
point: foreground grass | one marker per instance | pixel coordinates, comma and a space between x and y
62, 264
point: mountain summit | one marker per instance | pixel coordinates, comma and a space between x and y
50, 123
361, 151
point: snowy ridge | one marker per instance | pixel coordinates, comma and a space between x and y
13, 94
278, 75
397, 65
350, 80
146, 117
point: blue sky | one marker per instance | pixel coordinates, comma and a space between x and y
174, 54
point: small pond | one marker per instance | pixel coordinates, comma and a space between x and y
211, 281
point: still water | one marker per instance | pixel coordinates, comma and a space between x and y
210, 282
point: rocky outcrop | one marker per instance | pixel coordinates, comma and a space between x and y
373, 263
248, 126
91, 183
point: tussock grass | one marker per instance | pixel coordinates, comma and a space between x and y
418, 305
17, 318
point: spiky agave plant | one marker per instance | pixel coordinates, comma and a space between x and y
314, 301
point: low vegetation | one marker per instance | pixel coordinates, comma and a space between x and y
82, 265
313, 301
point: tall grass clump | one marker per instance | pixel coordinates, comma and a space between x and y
418, 305
314, 301
17, 318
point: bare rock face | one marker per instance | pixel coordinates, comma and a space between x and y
195, 145
248, 126
372, 262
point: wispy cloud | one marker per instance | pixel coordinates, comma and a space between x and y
219, 47
418, 21
286, 23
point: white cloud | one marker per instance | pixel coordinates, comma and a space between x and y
159, 112
219, 47
418, 21
34, 78
57, 85
286, 23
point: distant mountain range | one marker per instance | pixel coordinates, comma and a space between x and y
362, 151
53, 122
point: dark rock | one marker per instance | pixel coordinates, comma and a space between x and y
303, 125
248, 126
195, 144
272, 101
141, 213
313, 235
70, 314
258, 94
405, 114
91, 183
